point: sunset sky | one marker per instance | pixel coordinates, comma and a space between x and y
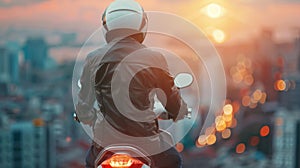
241, 17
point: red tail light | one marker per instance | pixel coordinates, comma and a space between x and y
122, 161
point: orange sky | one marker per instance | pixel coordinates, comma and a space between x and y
242, 16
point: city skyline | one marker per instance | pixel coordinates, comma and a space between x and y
242, 18
257, 126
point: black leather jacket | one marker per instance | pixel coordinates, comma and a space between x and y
96, 83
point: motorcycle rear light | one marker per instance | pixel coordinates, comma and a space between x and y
122, 161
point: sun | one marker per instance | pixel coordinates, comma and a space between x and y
214, 10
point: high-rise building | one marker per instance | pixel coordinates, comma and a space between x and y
5, 148
24, 145
36, 53
33, 145
4, 65
9, 64
4, 71
14, 49
286, 141
287, 119
5, 142
35, 59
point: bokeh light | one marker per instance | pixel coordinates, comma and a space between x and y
249, 80
38, 122
226, 133
264, 131
240, 148
246, 101
202, 140
280, 85
263, 98
219, 35
253, 105
211, 139
179, 147
227, 118
68, 139
221, 125
257, 95
228, 109
209, 130
218, 119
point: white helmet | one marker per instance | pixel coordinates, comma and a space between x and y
125, 15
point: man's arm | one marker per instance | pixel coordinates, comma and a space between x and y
175, 106
86, 97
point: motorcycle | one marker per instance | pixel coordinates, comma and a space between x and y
121, 155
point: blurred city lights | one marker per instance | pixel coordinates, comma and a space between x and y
240, 148
254, 141
228, 109
179, 147
221, 125
257, 95
246, 101
263, 98
226, 133
237, 78
214, 10
38, 122
242, 72
218, 119
219, 36
227, 118
253, 105
249, 80
209, 130
284, 85
280, 85
251, 101
68, 139
229, 123
202, 140
211, 139
264, 131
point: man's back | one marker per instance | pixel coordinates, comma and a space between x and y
135, 78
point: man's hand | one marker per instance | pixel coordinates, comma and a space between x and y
164, 116
75, 117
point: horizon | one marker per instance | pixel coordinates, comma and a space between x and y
22, 19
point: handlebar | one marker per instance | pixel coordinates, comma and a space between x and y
75, 117
163, 116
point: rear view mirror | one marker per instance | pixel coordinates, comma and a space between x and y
183, 80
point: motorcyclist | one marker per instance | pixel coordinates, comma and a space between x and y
125, 24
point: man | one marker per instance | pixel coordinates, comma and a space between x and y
126, 23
